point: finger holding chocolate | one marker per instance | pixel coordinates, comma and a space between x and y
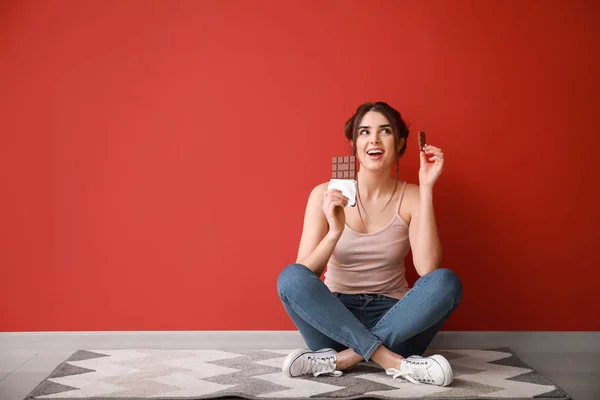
433, 152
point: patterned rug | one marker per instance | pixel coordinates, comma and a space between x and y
256, 374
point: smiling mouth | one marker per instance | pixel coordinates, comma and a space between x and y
376, 155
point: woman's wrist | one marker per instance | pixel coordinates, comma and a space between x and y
426, 191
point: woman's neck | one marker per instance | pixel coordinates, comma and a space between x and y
374, 186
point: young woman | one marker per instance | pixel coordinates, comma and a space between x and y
364, 309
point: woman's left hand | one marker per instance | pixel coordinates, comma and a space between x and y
432, 165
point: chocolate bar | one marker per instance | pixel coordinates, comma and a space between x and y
422, 140
343, 167
343, 177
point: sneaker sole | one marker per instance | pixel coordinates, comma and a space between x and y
448, 374
293, 356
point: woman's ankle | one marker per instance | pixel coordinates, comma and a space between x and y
347, 359
386, 358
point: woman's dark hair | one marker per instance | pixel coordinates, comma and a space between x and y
399, 130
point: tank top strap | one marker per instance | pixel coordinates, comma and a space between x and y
400, 197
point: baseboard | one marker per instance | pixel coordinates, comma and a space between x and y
519, 341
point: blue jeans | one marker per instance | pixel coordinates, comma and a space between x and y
363, 322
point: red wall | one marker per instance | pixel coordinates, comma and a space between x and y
155, 157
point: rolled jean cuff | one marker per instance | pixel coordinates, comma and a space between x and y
369, 353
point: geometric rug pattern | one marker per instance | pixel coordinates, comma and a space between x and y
256, 374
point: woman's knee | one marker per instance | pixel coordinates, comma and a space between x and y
448, 283
290, 277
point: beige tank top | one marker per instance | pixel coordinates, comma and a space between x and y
371, 262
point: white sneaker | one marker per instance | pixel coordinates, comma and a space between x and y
306, 362
433, 370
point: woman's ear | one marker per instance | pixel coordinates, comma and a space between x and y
400, 144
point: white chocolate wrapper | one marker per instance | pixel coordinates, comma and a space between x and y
347, 187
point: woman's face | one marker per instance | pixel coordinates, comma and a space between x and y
375, 146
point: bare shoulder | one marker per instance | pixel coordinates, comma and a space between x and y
315, 199
410, 200
321, 187
318, 192
411, 190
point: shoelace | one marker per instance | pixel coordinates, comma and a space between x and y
410, 372
320, 365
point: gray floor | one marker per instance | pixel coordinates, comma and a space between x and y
569, 359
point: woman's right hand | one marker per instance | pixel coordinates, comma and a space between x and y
333, 207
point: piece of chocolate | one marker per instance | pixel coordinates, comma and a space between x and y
343, 167
422, 140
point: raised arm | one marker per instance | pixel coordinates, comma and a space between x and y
423, 233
